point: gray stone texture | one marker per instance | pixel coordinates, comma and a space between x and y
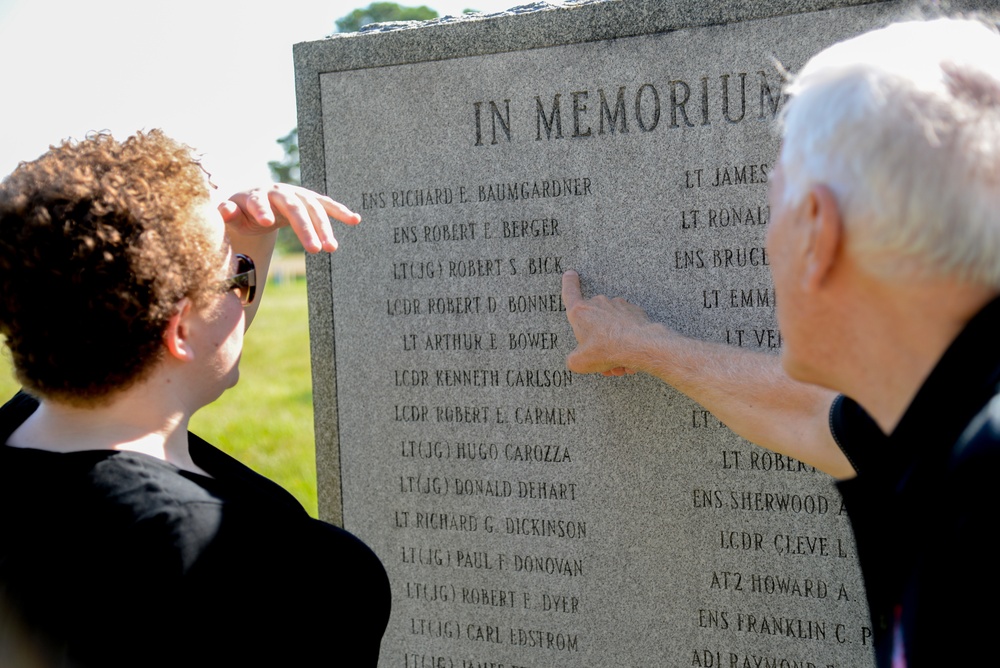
528, 516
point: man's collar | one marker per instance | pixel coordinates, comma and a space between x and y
962, 381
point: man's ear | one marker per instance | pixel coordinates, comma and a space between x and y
177, 335
825, 234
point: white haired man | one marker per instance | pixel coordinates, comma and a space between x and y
885, 247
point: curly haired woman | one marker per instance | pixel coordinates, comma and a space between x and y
124, 539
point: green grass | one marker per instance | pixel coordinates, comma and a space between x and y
266, 421
8, 385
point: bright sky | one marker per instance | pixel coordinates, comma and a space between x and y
215, 74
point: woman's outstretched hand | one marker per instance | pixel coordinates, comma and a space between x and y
264, 210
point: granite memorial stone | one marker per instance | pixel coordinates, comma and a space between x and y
528, 516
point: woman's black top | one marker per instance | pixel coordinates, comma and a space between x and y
115, 558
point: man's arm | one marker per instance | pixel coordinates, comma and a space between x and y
749, 392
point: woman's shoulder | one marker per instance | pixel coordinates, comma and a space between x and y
106, 503
15, 412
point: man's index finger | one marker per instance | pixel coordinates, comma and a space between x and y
571, 293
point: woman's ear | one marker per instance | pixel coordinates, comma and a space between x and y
177, 335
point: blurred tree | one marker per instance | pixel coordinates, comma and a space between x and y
286, 170
380, 12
